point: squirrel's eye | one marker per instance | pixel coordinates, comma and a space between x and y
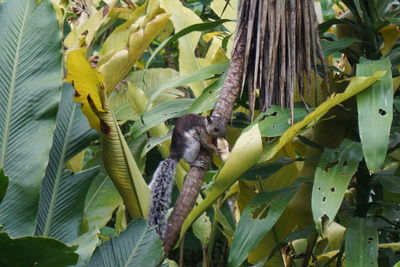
216, 129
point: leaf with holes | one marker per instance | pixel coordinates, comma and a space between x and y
361, 245
138, 245
30, 82
257, 219
333, 174
375, 112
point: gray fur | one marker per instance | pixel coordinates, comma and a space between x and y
161, 188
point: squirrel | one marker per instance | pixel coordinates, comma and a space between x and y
191, 133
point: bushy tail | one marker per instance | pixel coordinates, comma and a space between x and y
161, 188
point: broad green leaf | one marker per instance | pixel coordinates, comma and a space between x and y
160, 114
87, 82
264, 170
276, 120
390, 183
332, 177
245, 154
327, 9
61, 204
86, 243
357, 84
101, 201
138, 245
121, 106
3, 184
35, 251
196, 27
198, 75
361, 248
121, 166
181, 18
151, 79
257, 219
84, 34
375, 113
30, 81
330, 47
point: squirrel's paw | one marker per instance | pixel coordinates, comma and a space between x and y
199, 164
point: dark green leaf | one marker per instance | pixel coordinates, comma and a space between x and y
30, 82
138, 245
257, 219
61, 204
3, 184
35, 251
264, 170
330, 47
390, 183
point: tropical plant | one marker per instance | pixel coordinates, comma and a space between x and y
89, 90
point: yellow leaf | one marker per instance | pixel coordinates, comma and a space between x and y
210, 35
87, 82
390, 34
87, 30
183, 17
76, 163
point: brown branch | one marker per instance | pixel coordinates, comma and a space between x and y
194, 179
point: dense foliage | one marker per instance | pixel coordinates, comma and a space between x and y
89, 90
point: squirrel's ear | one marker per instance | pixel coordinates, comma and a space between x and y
209, 119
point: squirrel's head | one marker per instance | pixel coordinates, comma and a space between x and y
215, 126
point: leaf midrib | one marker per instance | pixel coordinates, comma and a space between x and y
57, 182
12, 88
135, 248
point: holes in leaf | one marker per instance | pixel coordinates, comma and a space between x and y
333, 189
370, 239
273, 114
323, 199
330, 165
273, 126
382, 112
319, 188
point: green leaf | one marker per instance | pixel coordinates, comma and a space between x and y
61, 204
390, 183
30, 81
361, 248
332, 177
138, 245
101, 201
264, 170
375, 113
86, 243
3, 184
276, 120
160, 114
35, 251
330, 47
198, 75
200, 27
257, 219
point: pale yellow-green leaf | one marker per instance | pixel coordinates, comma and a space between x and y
229, 13
357, 84
88, 29
245, 153
183, 17
120, 219
393, 246
202, 229
60, 7
76, 163
151, 79
390, 34
121, 62
335, 235
118, 39
87, 82
121, 106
